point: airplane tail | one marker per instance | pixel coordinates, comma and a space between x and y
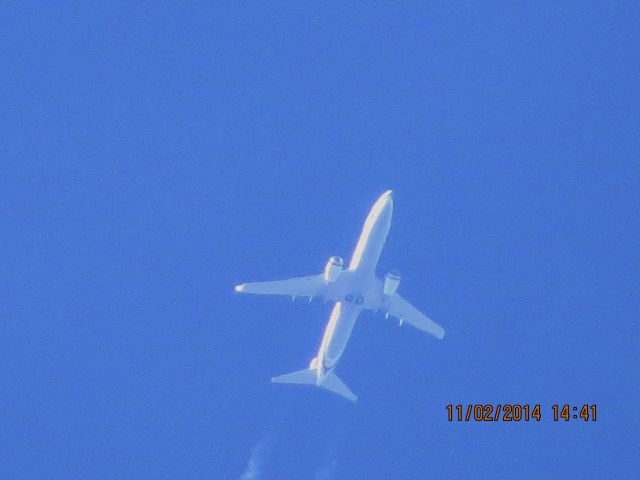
309, 376
332, 383
303, 377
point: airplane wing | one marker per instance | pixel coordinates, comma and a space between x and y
311, 286
398, 307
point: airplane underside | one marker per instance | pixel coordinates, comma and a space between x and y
353, 289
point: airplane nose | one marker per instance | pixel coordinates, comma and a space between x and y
387, 197
384, 203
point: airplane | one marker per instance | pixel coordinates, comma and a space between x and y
353, 290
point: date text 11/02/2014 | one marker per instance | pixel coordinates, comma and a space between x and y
515, 412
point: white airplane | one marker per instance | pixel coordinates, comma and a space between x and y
354, 289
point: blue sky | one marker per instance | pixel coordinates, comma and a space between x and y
154, 155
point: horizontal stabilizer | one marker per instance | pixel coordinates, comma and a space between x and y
303, 377
332, 383
307, 376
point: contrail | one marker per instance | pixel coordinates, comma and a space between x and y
328, 471
256, 460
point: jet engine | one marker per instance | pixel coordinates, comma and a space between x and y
334, 267
391, 283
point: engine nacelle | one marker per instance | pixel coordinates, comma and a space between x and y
334, 267
391, 283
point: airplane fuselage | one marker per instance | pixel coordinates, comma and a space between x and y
356, 288
353, 290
